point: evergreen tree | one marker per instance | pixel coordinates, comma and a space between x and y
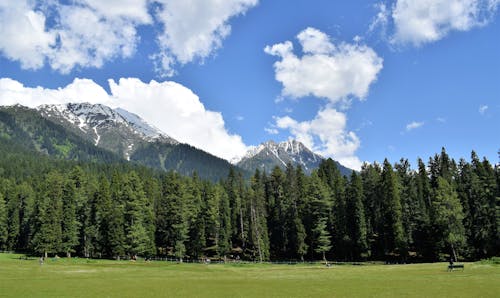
115, 219
138, 241
48, 234
27, 201
173, 227
393, 233
69, 219
196, 217
323, 242
356, 221
224, 234
371, 175
258, 233
276, 203
319, 207
104, 211
337, 220
234, 188
421, 236
447, 216
409, 202
4, 232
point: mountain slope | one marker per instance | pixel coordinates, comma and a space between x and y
268, 155
115, 130
129, 136
27, 128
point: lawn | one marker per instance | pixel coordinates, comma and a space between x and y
82, 278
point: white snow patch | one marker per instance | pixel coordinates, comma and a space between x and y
98, 138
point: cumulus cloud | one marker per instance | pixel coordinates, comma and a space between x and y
194, 29
327, 135
23, 33
414, 125
335, 72
325, 70
170, 106
88, 33
426, 21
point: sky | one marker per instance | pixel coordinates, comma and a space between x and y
358, 81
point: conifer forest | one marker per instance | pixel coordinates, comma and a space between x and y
430, 211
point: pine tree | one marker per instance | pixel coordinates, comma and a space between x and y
276, 210
13, 219
173, 227
393, 233
234, 189
422, 238
69, 219
138, 241
323, 238
224, 234
27, 201
4, 232
356, 220
447, 216
258, 232
409, 201
371, 175
48, 233
196, 217
331, 176
115, 219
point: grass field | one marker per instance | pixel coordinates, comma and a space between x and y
82, 278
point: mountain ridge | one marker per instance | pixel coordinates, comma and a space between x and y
270, 154
132, 138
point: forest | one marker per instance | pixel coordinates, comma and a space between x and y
387, 212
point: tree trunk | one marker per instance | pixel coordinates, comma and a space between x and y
454, 253
68, 254
243, 244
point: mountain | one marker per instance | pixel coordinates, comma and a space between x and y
86, 131
116, 130
22, 127
270, 154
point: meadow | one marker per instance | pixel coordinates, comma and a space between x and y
105, 278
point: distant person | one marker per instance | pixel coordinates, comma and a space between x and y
40, 261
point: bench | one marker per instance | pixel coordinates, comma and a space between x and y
454, 266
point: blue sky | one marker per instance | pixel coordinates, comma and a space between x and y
354, 80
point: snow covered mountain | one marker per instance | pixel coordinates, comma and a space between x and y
116, 130
268, 155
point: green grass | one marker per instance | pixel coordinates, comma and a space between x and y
82, 278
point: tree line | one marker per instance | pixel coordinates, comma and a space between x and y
384, 212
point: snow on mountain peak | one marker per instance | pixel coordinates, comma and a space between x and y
87, 116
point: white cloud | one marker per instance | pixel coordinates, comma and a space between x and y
483, 109
88, 33
170, 106
326, 70
335, 72
23, 34
271, 130
426, 21
327, 135
414, 125
381, 20
194, 29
